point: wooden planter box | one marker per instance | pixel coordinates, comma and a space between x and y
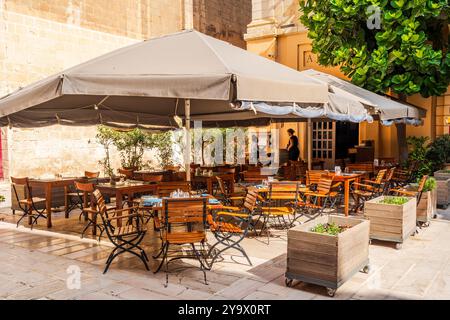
443, 192
327, 260
442, 175
426, 209
391, 222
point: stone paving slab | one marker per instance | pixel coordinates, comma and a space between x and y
35, 266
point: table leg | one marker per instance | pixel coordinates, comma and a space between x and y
346, 196
210, 185
86, 203
66, 202
119, 205
94, 216
48, 204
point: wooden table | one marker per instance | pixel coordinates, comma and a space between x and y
347, 179
125, 188
227, 178
48, 185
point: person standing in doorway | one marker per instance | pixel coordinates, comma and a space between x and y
292, 147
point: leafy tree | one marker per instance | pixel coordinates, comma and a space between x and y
407, 54
106, 137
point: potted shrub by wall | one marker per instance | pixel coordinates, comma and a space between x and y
328, 251
391, 218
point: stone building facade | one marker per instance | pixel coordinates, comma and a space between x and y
276, 33
42, 37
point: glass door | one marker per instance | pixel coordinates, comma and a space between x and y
323, 142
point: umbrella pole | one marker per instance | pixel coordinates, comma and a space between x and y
187, 152
309, 144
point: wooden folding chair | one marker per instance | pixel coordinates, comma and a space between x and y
231, 225
408, 193
369, 189
184, 224
29, 204
125, 229
283, 202
225, 196
323, 197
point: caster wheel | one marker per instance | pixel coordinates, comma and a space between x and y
288, 282
331, 292
366, 269
398, 246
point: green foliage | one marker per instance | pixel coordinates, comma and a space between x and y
328, 228
2, 198
430, 184
418, 148
408, 54
398, 201
163, 143
439, 152
132, 145
430, 156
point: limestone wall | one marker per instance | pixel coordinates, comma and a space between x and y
225, 20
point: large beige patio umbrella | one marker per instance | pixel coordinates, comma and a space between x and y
148, 83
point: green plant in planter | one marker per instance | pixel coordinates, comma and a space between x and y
430, 184
329, 228
398, 201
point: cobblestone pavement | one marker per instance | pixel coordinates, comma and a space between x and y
39, 265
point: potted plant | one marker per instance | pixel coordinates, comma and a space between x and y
391, 218
426, 209
327, 251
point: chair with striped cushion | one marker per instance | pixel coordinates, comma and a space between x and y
231, 225
184, 224
125, 229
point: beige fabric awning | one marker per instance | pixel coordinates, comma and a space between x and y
146, 84
386, 109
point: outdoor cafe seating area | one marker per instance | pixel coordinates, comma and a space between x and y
229, 202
